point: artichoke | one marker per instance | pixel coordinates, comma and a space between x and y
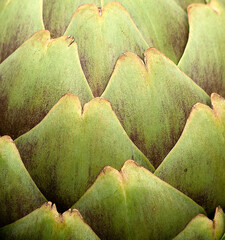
114, 113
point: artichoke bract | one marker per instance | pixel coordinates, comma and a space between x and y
112, 119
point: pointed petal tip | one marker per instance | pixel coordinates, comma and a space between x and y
72, 212
125, 55
216, 97
153, 50
196, 108
68, 97
106, 170
6, 138
131, 162
43, 35
99, 101
219, 210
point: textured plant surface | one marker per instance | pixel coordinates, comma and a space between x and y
115, 111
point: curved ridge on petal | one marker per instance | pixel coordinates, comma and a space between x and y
203, 58
19, 20
135, 204
162, 23
152, 100
57, 14
19, 194
35, 77
196, 164
74, 146
201, 227
46, 223
102, 37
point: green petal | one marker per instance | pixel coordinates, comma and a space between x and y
204, 56
202, 228
152, 101
134, 204
67, 150
46, 223
19, 194
162, 23
19, 19
196, 164
102, 36
185, 3
57, 14
35, 77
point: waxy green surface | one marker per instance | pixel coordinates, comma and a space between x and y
196, 164
204, 56
35, 77
57, 14
202, 228
134, 204
102, 36
67, 150
162, 23
46, 223
19, 19
18, 193
133, 26
152, 101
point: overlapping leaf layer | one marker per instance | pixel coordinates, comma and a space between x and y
114, 112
